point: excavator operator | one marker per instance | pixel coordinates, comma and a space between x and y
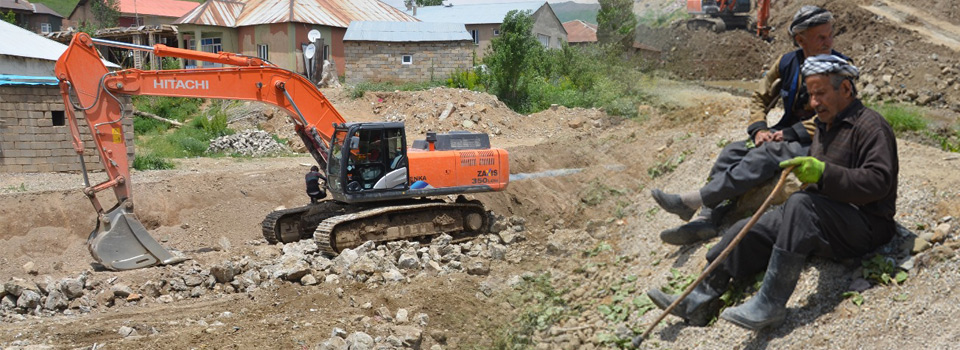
314, 190
744, 165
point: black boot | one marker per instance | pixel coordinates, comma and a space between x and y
701, 305
768, 307
673, 204
703, 228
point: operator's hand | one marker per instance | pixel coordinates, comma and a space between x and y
778, 136
761, 137
808, 170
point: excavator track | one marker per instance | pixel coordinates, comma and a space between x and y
404, 222
294, 224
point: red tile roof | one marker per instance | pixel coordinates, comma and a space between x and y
162, 8
580, 32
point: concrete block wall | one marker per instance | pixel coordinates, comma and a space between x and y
372, 61
29, 142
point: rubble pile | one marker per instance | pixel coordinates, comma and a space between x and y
300, 262
251, 143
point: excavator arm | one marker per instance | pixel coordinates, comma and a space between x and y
120, 241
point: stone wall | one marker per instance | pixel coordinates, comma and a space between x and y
374, 61
29, 140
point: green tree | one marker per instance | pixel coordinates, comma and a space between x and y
422, 3
616, 23
106, 13
10, 17
511, 55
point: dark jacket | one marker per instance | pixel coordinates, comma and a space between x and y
860, 152
796, 123
313, 182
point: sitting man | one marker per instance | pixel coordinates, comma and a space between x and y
845, 212
314, 190
746, 164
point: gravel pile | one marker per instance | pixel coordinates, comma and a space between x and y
251, 143
300, 262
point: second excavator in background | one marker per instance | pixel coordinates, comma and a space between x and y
722, 15
382, 188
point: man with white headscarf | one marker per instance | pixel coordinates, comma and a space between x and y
846, 211
744, 165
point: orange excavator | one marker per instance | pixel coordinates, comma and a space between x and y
381, 188
721, 15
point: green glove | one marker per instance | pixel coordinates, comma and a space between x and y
808, 170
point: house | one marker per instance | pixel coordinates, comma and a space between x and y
405, 51
580, 32
277, 30
483, 21
135, 13
34, 135
37, 18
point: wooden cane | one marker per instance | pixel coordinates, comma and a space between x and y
723, 255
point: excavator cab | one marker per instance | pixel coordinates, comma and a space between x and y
367, 158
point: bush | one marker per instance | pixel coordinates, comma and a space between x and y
902, 117
151, 162
175, 108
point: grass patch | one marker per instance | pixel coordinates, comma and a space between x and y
540, 306
667, 166
175, 108
357, 91
902, 118
598, 192
151, 162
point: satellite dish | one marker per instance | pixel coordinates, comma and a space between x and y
310, 51
313, 35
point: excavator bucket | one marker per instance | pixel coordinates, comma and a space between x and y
120, 242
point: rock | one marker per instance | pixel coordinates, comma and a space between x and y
127, 332
28, 299
446, 111
8, 302
410, 336
940, 233
508, 236
497, 251
859, 285
290, 268
408, 261
384, 313
575, 123
477, 268
56, 301
30, 268
301, 248
332, 278
402, 316
421, 319
177, 284
915, 244
360, 340
197, 292
166, 299
333, 343
393, 275
134, 297
15, 286
121, 290
225, 272
468, 124
308, 280
344, 260
71, 288
150, 289
192, 280
338, 333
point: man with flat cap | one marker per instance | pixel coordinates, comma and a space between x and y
744, 165
846, 211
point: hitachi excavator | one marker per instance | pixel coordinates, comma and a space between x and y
381, 189
721, 15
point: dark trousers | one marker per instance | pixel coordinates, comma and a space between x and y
808, 223
738, 169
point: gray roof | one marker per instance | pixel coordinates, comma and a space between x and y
16, 41
405, 31
474, 13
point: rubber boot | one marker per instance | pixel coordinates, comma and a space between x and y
673, 204
699, 229
768, 307
701, 305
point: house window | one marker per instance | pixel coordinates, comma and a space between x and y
496, 32
406, 59
45, 27
263, 52
212, 45
58, 119
544, 40
476, 36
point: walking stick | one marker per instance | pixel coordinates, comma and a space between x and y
723, 255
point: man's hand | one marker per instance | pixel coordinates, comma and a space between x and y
778, 136
808, 170
762, 136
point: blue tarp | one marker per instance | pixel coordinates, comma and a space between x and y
26, 80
